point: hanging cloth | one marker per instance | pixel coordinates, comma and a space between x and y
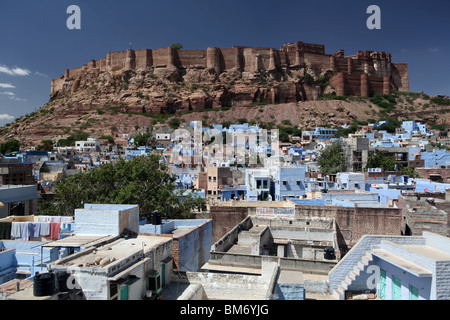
5, 230
34, 229
45, 229
55, 228
15, 230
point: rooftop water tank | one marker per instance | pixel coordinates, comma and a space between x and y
44, 284
156, 218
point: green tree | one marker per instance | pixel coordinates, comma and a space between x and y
176, 46
142, 139
410, 172
379, 160
331, 160
344, 132
107, 137
9, 146
46, 145
390, 126
144, 181
174, 123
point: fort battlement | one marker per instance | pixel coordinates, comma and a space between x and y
364, 73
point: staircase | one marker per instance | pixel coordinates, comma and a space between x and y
358, 268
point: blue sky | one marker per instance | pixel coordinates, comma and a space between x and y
36, 46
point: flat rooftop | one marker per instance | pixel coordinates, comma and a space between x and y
118, 250
79, 241
428, 252
413, 268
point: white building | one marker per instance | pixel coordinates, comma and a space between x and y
91, 145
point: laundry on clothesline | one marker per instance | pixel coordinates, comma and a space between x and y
27, 229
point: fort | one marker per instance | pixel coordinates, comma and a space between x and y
365, 73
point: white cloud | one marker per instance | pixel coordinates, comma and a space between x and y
5, 118
41, 74
433, 50
8, 93
17, 99
15, 71
12, 96
6, 86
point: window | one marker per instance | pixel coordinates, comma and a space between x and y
284, 183
298, 183
209, 178
413, 293
154, 283
112, 289
396, 288
124, 292
214, 179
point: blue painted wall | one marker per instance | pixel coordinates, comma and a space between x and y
194, 247
290, 291
438, 158
407, 279
289, 182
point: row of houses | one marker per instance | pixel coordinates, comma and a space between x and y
280, 250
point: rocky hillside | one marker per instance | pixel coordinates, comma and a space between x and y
132, 101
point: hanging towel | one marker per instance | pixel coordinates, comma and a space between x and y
66, 219
43, 218
45, 229
15, 230
5, 230
34, 229
55, 219
24, 232
55, 227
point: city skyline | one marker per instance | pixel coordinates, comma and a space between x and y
37, 46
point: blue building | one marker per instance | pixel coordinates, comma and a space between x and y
289, 183
351, 181
21, 259
437, 158
413, 127
258, 184
233, 192
319, 133
193, 239
275, 183
395, 268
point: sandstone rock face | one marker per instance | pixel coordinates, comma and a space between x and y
248, 74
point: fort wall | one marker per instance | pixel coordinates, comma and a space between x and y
381, 74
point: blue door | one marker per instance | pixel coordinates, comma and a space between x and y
413, 293
396, 288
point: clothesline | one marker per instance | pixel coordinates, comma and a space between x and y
62, 219
25, 230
